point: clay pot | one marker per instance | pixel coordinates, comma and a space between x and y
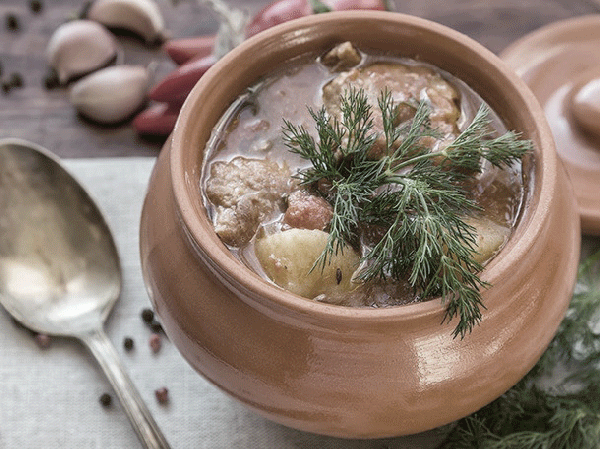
343, 371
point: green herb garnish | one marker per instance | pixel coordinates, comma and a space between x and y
563, 415
318, 7
417, 194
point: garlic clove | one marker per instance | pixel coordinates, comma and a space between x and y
79, 47
111, 95
142, 17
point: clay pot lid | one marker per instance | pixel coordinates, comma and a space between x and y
561, 64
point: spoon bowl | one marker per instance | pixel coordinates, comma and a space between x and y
60, 271
59, 266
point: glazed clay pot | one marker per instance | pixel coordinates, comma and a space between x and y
342, 371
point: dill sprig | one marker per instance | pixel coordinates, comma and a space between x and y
416, 193
557, 405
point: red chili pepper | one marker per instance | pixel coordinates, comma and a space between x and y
178, 84
157, 120
185, 49
195, 56
278, 12
281, 11
344, 5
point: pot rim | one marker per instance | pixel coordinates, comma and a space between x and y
268, 295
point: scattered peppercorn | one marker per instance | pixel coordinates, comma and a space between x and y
42, 340
156, 326
36, 6
162, 395
51, 79
105, 399
16, 80
148, 315
155, 343
6, 87
12, 22
128, 343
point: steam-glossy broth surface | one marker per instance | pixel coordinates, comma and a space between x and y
247, 145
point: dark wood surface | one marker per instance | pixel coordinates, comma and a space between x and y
45, 116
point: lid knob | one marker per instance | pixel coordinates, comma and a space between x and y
585, 102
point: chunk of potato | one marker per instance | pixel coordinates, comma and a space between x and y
287, 258
491, 236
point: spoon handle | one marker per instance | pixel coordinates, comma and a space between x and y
131, 401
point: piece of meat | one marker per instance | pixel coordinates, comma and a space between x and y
342, 57
307, 211
245, 192
408, 85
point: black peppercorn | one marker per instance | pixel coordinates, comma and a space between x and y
105, 399
12, 22
6, 87
156, 326
35, 6
16, 80
147, 315
51, 80
128, 343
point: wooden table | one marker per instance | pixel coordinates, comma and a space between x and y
45, 116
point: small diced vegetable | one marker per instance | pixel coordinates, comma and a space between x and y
490, 237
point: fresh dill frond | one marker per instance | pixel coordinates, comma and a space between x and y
528, 417
545, 410
414, 191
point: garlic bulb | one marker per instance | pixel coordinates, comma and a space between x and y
79, 47
112, 94
142, 17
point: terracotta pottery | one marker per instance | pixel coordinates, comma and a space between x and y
353, 372
561, 64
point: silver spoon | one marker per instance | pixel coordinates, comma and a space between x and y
60, 272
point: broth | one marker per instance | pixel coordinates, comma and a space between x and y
253, 198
